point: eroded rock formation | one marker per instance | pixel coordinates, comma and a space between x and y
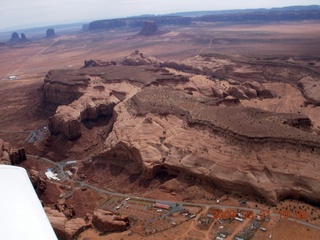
4, 153
311, 87
83, 95
64, 228
183, 120
106, 221
50, 33
9, 155
149, 28
37, 181
14, 38
97, 63
136, 59
67, 119
24, 39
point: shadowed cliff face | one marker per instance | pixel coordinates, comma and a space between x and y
201, 120
149, 28
10, 156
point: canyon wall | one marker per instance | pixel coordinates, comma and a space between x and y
236, 132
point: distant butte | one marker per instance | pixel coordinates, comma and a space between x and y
149, 28
15, 39
50, 33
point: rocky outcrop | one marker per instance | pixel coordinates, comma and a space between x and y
81, 94
4, 153
219, 93
63, 87
299, 122
68, 211
17, 156
149, 28
106, 221
74, 227
261, 91
39, 184
97, 63
14, 38
66, 229
24, 39
166, 150
180, 67
103, 221
178, 119
237, 92
67, 119
249, 91
9, 155
136, 59
311, 88
50, 33
263, 125
58, 221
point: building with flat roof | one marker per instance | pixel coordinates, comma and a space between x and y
162, 206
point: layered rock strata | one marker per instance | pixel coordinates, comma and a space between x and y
190, 123
89, 93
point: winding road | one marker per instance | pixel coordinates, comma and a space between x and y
63, 176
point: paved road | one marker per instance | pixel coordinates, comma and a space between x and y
216, 206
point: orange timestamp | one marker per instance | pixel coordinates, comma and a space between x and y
297, 214
258, 214
241, 214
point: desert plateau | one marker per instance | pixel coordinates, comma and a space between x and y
171, 127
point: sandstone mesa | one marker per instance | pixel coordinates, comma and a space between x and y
190, 120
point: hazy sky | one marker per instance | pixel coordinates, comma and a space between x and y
15, 14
